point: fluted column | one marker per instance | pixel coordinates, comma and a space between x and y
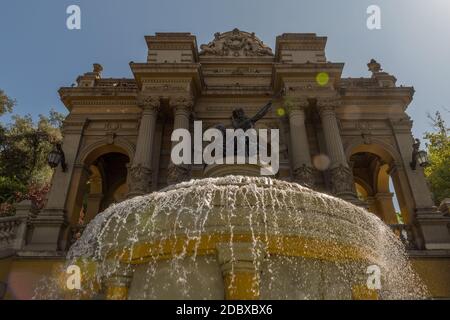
300, 155
182, 107
141, 169
341, 174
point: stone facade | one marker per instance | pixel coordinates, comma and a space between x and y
343, 136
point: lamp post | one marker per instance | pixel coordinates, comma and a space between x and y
56, 157
419, 156
422, 158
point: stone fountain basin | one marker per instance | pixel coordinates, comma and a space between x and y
194, 218
241, 237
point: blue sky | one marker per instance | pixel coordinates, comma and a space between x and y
38, 54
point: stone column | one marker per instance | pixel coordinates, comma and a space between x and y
240, 264
300, 155
93, 206
341, 174
372, 205
140, 175
386, 207
182, 107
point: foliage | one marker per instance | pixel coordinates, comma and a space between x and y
24, 146
438, 173
10, 192
6, 103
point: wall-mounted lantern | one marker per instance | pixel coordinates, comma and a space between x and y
418, 156
57, 157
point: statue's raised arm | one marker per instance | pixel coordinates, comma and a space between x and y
261, 113
264, 110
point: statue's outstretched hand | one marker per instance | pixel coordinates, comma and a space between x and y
279, 94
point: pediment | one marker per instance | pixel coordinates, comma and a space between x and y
236, 43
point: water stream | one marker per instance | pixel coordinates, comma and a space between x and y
175, 244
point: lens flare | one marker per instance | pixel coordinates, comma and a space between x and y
281, 112
322, 79
321, 162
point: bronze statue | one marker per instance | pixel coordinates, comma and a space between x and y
240, 120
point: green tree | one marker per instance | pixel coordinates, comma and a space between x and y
438, 172
6, 103
24, 146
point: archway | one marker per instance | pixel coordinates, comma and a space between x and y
96, 184
373, 171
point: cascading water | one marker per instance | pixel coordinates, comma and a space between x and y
195, 239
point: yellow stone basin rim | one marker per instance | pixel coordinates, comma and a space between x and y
282, 245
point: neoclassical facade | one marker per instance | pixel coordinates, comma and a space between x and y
350, 137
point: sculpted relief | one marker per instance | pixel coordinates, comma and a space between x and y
236, 44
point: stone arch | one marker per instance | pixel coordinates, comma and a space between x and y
88, 166
93, 151
382, 172
377, 146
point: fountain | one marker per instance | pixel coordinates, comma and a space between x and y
239, 237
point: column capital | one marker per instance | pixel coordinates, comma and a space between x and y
184, 103
139, 182
342, 180
298, 103
304, 176
327, 105
149, 103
